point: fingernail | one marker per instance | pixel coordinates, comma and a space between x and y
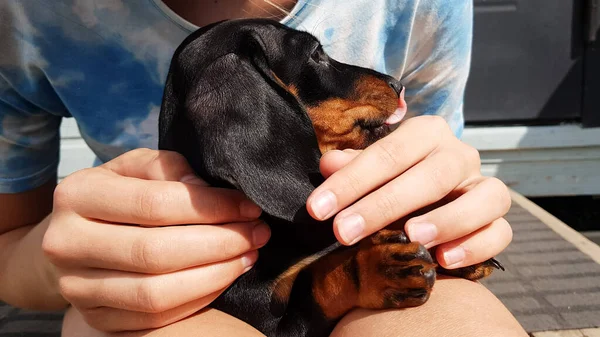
248, 260
424, 233
260, 234
454, 256
351, 227
248, 209
324, 204
193, 179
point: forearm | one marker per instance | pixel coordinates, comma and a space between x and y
27, 279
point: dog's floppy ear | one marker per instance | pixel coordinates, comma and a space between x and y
239, 126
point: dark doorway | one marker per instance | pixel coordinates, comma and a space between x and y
533, 63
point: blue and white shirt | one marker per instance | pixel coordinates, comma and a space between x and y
104, 63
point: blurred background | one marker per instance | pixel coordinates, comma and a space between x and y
533, 111
533, 103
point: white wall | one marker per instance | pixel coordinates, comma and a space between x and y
74, 152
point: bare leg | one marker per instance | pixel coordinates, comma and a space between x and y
457, 308
206, 323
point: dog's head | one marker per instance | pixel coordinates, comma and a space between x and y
252, 104
349, 106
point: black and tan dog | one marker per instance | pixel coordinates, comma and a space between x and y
252, 105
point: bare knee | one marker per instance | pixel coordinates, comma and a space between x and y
206, 323
456, 308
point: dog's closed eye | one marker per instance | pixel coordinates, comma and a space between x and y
349, 106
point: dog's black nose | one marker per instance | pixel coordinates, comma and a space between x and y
397, 86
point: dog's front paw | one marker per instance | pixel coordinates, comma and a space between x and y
393, 272
474, 272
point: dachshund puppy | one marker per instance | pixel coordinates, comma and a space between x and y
252, 105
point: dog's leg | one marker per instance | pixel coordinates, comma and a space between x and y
384, 270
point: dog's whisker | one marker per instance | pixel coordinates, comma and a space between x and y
333, 66
270, 14
281, 9
316, 26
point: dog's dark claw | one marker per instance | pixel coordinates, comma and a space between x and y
474, 272
388, 236
496, 264
421, 254
403, 276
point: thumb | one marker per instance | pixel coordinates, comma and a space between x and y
334, 160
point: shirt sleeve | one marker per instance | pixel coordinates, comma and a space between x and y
438, 60
29, 145
29, 122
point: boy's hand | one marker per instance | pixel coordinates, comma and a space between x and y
417, 165
121, 258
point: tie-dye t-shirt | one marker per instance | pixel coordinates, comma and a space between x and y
103, 62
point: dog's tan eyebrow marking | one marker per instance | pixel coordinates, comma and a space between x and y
277, 79
294, 91
290, 88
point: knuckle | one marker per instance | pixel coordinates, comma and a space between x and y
434, 123
432, 127
227, 246
155, 157
152, 205
386, 153
220, 205
174, 159
501, 193
52, 247
168, 164
438, 123
471, 156
386, 205
55, 244
148, 297
67, 190
231, 244
457, 215
141, 152
505, 231
352, 182
67, 286
146, 253
440, 185
64, 192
